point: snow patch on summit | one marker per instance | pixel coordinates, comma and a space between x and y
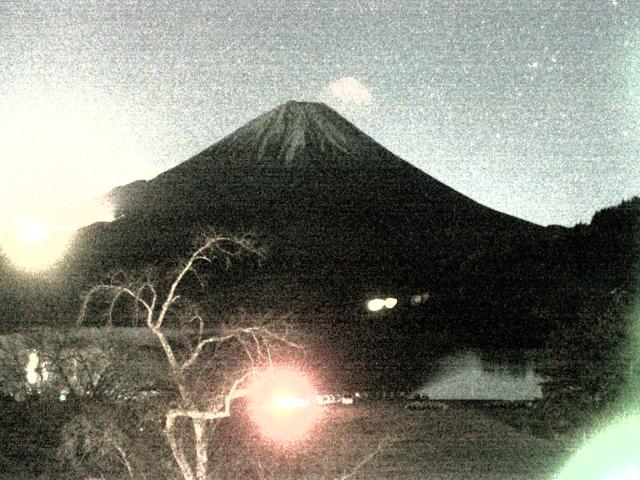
288, 133
297, 125
294, 141
335, 138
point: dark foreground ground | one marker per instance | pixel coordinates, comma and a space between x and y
459, 442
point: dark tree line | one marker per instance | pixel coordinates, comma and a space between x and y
592, 341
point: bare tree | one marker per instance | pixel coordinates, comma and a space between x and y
76, 362
231, 353
97, 436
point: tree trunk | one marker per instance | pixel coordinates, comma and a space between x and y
178, 452
202, 458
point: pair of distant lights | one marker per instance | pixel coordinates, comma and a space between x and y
420, 298
377, 304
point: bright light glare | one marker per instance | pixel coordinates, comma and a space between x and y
62, 149
34, 245
375, 305
281, 405
58, 152
390, 302
611, 455
32, 365
32, 231
624, 473
284, 401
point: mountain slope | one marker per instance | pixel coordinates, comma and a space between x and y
312, 185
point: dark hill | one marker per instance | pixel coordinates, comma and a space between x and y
323, 197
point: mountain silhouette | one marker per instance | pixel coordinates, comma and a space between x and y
322, 196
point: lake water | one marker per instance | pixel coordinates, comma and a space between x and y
471, 376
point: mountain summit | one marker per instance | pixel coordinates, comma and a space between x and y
294, 144
302, 138
291, 133
296, 133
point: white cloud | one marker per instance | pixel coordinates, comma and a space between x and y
351, 91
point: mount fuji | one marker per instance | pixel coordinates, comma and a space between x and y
322, 196
342, 219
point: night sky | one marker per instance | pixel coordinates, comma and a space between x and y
529, 107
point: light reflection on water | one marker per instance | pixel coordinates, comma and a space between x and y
466, 376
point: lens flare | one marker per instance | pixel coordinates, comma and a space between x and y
612, 454
281, 404
35, 245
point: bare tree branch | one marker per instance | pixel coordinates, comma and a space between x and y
200, 346
251, 342
383, 443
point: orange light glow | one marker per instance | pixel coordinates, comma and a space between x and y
283, 404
